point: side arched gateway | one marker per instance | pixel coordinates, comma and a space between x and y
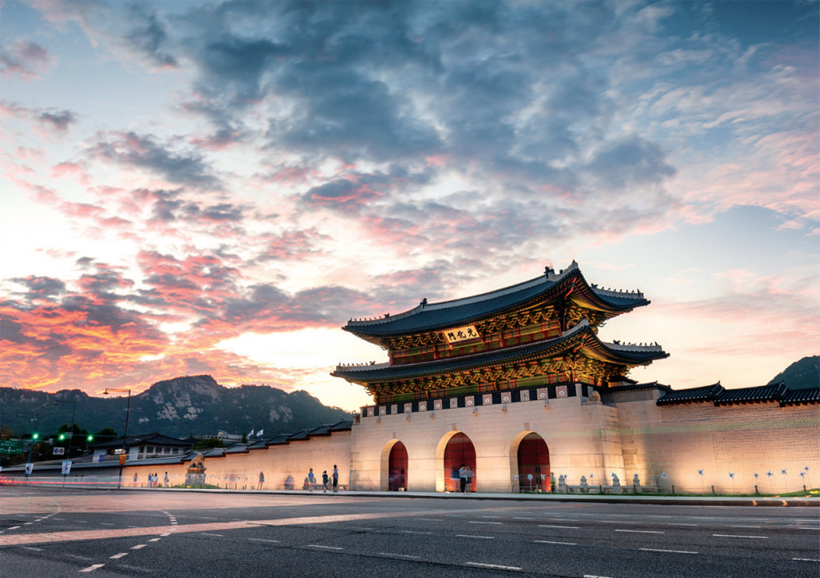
533, 459
397, 468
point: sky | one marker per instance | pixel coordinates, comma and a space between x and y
217, 187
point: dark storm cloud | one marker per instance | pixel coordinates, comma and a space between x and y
59, 120
631, 160
148, 35
41, 287
142, 151
24, 59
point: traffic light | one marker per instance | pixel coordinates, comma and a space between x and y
62, 436
35, 436
90, 438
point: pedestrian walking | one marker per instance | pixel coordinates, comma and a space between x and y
335, 479
462, 477
311, 480
324, 481
261, 480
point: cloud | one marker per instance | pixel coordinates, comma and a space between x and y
24, 59
143, 152
54, 121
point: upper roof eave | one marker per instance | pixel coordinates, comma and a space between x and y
458, 312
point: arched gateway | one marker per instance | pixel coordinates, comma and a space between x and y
397, 468
459, 450
533, 464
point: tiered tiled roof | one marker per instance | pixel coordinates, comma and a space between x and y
155, 438
438, 316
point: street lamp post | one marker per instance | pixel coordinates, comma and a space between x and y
71, 429
124, 437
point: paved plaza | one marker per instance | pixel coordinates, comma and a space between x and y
49, 532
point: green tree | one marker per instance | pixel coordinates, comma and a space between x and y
208, 444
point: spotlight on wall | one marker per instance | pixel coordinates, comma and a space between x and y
475, 411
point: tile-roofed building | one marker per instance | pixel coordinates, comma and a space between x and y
694, 395
801, 396
751, 394
141, 446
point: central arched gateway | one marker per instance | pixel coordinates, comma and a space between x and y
397, 468
459, 450
533, 464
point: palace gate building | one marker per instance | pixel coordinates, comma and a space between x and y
517, 385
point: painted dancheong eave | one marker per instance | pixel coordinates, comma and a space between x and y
581, 339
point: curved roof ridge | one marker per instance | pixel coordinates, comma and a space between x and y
549, 277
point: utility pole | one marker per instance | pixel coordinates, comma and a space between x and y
124, 455
71, 430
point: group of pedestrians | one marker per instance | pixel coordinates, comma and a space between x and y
310, 480
153, 480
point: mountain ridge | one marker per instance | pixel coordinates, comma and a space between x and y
178, 407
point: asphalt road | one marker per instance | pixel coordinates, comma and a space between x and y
48, 533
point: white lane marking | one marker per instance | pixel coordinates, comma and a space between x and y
493, 523
805, 560
594, 576
398, 555
746, 526
92, 568
641, 531
797, 528
669, 551
480, 565
165, 534
523, 518
670, 524
154, 540
550, 542
563, 527
208, 534
479, 537
613, 522
28, 523
31, 548
733, 536
118, 556
138, 546
263, 540
79, 557
325, 547
413, 532
566, 520
14, 527
105, 524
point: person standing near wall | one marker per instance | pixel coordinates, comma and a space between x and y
462, 477
324, 481
311, 480
261, 480
335, 479
166, 479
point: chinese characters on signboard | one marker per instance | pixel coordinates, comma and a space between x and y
460, 334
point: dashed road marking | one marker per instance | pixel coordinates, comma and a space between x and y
514, 518
31, 548
733, 536
746, 527
325, 547
559, 543
491, 523
78, 557
413, 532
670, 524
669, 551
165, 534
154, 540
106, 524
478, 537
497, 566
398, 555
594, 576
209, 534
92, 568
641, 531
138, 546
561, 527
118, 556
14, 527
263, 540
806, 560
